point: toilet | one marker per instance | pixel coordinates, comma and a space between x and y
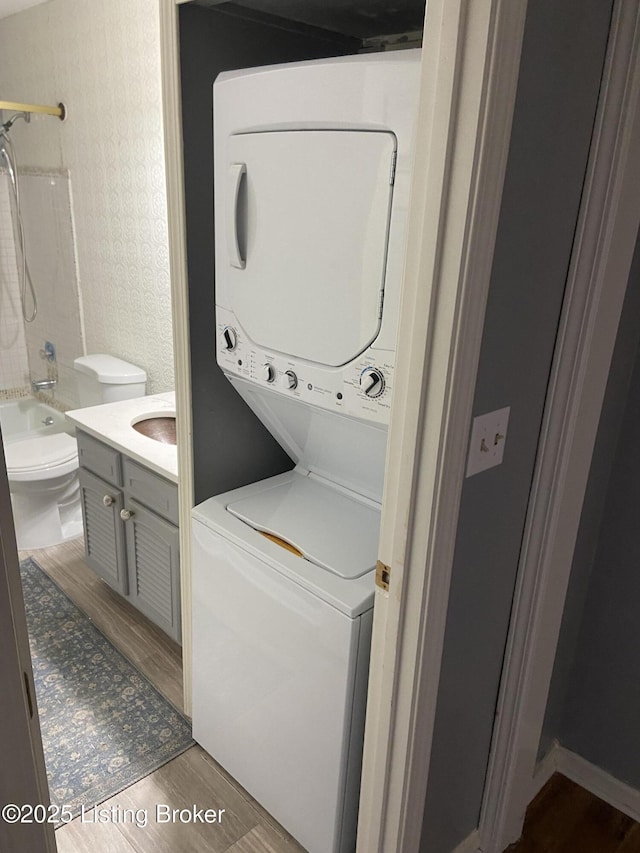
43, 470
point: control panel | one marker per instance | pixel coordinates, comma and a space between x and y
360, 389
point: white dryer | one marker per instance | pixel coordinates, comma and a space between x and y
312, 166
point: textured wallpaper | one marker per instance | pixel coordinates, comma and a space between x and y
103, 61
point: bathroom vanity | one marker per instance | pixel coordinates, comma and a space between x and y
129, 498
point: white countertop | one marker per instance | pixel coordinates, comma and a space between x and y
112, 423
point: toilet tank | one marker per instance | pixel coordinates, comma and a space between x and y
102, 378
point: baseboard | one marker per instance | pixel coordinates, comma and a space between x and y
544, 770
597, 781
471, 844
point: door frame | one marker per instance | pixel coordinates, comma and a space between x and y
470, 71
598, 274
177, 233
469, 79
24, 776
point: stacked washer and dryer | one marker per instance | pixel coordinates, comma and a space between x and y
312, 175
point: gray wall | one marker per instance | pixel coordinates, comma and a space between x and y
561, 66
230, 445
594, 705
564, 684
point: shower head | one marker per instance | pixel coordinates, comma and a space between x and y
4, 128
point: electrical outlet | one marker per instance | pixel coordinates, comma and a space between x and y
488, 437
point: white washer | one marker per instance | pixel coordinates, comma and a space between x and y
312, 165
282, 656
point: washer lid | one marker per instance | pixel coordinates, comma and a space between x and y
329, 528
41, 453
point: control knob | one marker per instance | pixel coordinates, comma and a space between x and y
289, 380
372, 381
229, 338
267, 372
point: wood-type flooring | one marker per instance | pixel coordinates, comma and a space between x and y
565, 818
191, 779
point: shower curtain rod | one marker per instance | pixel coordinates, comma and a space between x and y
59, 110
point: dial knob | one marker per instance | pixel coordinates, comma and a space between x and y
372, 381
229, 338
267, 372
289, 380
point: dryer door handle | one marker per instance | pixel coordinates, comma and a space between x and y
237, 171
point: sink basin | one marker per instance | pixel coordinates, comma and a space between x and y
158, 427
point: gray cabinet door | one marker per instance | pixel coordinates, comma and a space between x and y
154, 568
103, 533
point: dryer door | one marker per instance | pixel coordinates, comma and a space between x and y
307, 220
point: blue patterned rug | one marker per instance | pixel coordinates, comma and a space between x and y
104, 726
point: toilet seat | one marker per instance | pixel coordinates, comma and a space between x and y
41, 458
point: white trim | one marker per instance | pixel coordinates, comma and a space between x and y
544, 771
172, 115
600, 783
470, 67
590, 777
603, 249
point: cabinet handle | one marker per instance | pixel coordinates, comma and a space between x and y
108, 500
126, 514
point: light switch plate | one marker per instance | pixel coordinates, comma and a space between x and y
488, 437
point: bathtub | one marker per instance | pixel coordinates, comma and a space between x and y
27, 417
42, 465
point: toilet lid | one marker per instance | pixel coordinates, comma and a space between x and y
40, 453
